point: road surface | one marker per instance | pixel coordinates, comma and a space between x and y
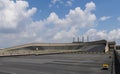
55, 64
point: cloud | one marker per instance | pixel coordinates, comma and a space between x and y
93, 34
50, 5
53, 28
69, 3
113, 35
15, 15
103, 18
118, 18
57, 3
90, 6
17, 26
54, 1
69, 26
65, 34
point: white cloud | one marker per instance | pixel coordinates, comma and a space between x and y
17, 16
103, 18
50, 29
57, 3
64, 34
69, 26
113, 35
95, 35
12, 14
90, 6
69, 3
118, 18
54, 1
50, 5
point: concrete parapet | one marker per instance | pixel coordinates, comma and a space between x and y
56, 45
117, 62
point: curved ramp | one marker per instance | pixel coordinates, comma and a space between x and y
83, 46
46, 46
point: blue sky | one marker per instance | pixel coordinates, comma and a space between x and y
50, 21
103, 8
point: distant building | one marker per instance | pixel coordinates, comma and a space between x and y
117, 47
112, 45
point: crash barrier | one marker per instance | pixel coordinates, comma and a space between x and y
43, 46
117, 62
28, 52
93, 48
96, 47
113, 63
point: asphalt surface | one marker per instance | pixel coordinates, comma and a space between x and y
56, 64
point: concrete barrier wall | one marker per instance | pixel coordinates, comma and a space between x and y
93, 48
117, 62
96, 42
50, 47
57, 45
90, 48
44, 45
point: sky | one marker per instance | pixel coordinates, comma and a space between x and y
58, 21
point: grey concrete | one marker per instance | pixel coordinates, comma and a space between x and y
44, 45
94, 48
117, 62
55, 64
74, 45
